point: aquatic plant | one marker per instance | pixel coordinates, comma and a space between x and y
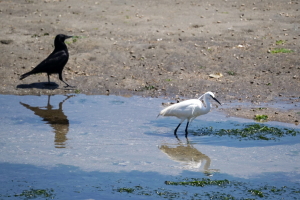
256, 193
74, 39
280, 42
261, 118
128, 190
150, 87
226, 190
199, 182
37, 193
231, 73
281, 50
250, 132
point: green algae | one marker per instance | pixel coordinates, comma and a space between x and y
250, 132
199, 182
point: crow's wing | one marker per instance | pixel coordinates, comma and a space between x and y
54, 63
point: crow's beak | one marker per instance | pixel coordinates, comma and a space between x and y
68, 37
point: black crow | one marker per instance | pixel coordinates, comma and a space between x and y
55, 62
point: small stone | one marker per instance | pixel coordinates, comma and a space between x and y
6, 41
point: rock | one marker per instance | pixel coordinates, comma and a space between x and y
216, 75
6, 41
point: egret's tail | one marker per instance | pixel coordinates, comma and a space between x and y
160, 114
166, 111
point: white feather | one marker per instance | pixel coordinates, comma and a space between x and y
189, 109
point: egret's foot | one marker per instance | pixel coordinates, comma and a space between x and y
187, 141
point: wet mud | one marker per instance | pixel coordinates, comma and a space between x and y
243, 51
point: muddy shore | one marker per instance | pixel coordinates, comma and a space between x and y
246, 52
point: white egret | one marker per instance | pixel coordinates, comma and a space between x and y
189, 110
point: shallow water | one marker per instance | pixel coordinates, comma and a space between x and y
87, 147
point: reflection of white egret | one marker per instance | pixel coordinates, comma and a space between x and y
189, 110
188, 155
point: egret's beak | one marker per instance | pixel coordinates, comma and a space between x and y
216, 100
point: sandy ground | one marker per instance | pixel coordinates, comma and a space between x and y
160, 48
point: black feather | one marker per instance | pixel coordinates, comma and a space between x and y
55, 62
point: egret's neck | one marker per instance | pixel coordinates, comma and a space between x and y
207, 105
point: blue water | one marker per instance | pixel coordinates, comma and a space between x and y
89, 147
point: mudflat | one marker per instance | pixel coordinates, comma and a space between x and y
246, 52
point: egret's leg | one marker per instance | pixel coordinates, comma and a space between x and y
186, 128
175, 131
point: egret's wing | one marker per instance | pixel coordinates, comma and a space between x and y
181, 110
193, 108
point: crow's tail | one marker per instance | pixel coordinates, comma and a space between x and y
25, 75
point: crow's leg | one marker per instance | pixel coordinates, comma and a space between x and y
60, 78
48, 79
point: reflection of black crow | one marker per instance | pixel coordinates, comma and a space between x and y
188, 155
56, 118
55, 62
